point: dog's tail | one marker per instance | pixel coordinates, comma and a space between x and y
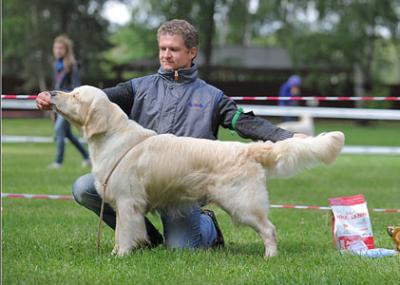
287, 157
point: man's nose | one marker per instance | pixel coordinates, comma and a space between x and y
168, 53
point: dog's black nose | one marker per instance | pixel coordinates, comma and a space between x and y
53, 93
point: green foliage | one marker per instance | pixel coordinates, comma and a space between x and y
132, 42
386, 67
30, 27
319, 35
345, 34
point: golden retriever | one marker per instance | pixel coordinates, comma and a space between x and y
145, 171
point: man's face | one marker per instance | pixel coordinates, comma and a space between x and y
173, 53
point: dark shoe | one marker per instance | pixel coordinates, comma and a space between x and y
154, 236
219, 241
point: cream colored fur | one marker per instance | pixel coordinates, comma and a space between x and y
162, 171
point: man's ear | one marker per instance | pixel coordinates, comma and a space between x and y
96, 121
193, 53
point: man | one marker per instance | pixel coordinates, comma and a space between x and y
176, 101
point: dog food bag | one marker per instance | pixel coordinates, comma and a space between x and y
351, 226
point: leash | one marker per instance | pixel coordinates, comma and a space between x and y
103, 190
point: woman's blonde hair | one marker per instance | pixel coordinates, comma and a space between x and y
69, 58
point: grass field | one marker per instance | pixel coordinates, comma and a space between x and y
54, 241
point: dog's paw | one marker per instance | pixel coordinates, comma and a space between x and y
270, 251
115, 250
338, 136
123, 251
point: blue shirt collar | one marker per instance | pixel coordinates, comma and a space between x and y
59, 65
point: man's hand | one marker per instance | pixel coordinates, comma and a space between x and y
43, 101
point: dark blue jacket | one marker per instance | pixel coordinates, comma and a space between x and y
66, 81
286, 90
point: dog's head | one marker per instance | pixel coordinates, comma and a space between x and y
86, 107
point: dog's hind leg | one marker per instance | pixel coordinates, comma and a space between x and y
131, 228
267, 232
257, 219
249, 206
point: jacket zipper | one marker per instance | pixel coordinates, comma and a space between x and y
176, 75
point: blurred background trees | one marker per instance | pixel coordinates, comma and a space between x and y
29, 27
330, 43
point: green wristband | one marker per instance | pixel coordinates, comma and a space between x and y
236, 117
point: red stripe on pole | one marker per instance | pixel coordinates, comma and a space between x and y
314, 207
288, 206
365, 98
15, 196
390, 211
41, 197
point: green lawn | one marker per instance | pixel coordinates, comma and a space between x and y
382, 133
54, 241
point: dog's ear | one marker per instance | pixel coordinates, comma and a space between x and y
96, 121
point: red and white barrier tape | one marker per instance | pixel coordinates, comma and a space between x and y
65, 197
316, 98
266, 98
21, 97
36, 196
320, 208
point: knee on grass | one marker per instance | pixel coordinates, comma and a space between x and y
84, 189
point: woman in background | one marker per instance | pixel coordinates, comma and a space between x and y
66, 78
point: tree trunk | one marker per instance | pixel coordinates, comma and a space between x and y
38, 58
209, 35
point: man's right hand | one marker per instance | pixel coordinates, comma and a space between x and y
43, 101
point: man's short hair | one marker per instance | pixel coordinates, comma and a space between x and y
182, 28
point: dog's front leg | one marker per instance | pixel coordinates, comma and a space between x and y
131, 228
115, 249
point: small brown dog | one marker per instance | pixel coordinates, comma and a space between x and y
394, 232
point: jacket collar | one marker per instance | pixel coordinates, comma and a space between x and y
180, 75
